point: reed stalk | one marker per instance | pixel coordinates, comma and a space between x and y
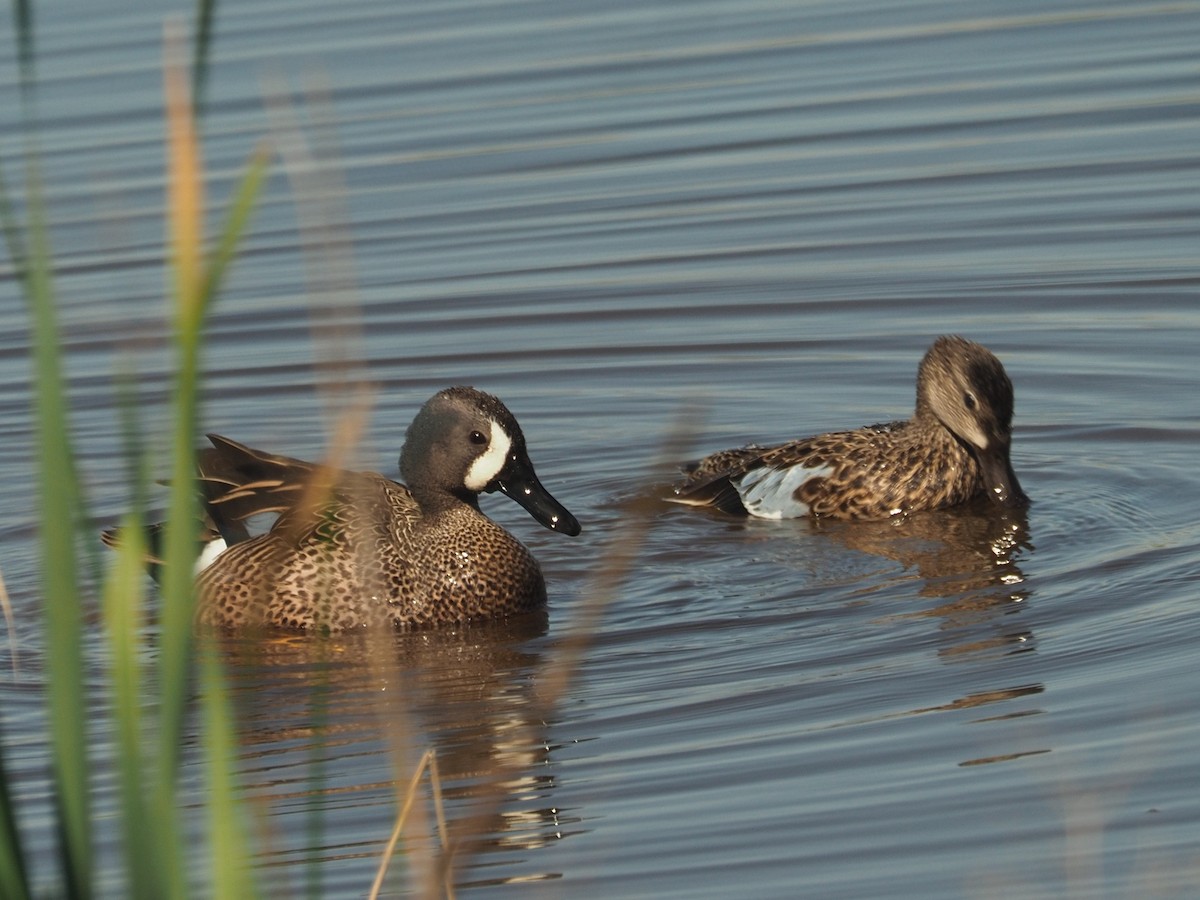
148, 771
58, 498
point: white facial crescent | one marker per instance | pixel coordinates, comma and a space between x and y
485, 469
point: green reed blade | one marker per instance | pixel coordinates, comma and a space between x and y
225, 250
197, 282
12, 859
12, 231
206, 11
59, 502
123, 609
155, 852
231, 869
124, 614
60, 507
23, 27
182, 519
60, 584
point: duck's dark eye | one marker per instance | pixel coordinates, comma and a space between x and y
969, 400
477, 437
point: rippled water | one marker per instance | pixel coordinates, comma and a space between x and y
758, 214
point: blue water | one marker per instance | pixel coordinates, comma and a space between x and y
752, 215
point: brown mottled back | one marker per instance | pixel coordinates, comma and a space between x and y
955, 446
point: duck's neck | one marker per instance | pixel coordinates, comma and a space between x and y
927, 430
437, 502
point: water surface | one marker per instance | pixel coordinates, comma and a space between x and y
759, 213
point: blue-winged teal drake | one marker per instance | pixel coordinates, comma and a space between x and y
352, 549
954, 447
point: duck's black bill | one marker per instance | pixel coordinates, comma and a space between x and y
519, 481
999, 480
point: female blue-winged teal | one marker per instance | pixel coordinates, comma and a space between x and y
954, 447
353, 549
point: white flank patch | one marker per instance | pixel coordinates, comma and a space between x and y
211, 551
770, 493
485, 469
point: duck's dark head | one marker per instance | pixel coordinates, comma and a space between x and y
965, 387
465, 442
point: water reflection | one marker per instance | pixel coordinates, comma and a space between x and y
331, 729
968, 556
968, 548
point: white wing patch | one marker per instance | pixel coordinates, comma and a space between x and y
211, 551
485, 469
770, 493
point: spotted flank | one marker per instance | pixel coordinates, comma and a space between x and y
350, 550
955, 447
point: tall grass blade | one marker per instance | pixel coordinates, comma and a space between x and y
206, 11
123, 606
196, 283
12, 860
64, 628
10, 628
427, 763
609, 573
124, 613
185, 216
155, 852
239, 216
231, 868
231, 861
60, 509
59, 501
23, 29
11, 229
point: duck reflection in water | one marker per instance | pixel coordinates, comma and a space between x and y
333, 729
967, 556
936, 492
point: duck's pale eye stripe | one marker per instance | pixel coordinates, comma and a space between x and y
485, 469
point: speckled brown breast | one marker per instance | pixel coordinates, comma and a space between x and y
376, 561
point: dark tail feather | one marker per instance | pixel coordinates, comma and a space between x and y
238, 482
112, 537
718, 493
